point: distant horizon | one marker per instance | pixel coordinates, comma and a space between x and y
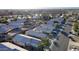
44, 8
55, 8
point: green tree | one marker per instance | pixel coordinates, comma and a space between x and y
15, 18
65, 18
75, 28
3, 20
45, 43
57, 26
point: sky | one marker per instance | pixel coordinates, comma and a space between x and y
37, 4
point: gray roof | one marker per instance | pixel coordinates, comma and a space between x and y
26, 40
36, 34
4, 28
44, 28
20, 20
16, 25
12, 25
51, 21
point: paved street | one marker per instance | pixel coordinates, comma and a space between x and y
63, 39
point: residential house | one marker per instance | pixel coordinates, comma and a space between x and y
4, 29
44, 28
24, 40
14, 32
36, 34
16, 24
41, 31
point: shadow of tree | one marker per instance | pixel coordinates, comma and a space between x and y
56, 44
66, 34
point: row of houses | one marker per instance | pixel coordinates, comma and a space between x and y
12, 26
31, 37
41, 30
11, 29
